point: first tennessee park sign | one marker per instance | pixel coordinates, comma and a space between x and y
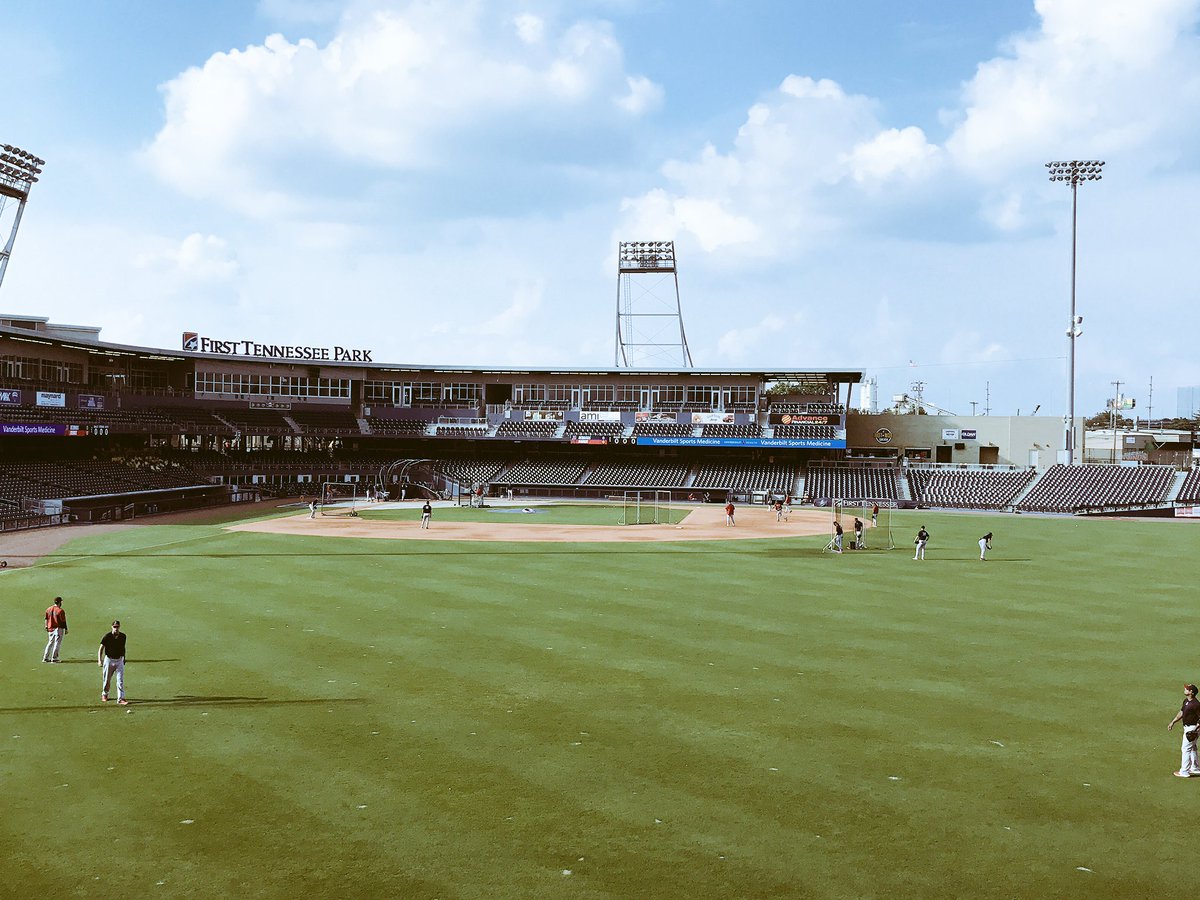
193, 341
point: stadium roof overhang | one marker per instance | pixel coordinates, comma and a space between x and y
828, 375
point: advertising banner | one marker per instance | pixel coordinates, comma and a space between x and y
712, 418
949, 434
36, 429
655, 417
10, 396
805, 419
52, 398
967, 434
781, 443
599, 415
91, 401
543, 415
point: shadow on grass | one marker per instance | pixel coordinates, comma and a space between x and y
92, 662
185, 700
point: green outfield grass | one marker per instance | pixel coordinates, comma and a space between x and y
319, 717
538, 514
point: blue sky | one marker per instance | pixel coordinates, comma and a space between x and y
848, 185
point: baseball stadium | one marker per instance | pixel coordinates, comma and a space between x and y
627, 658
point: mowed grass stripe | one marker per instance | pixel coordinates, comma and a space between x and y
910, 670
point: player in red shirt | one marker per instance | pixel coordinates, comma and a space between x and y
56, 627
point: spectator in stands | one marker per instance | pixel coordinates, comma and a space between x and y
426, 514
921, 541
56, 627
859, 540
985, 544
1189, 712
837, 536
729, 513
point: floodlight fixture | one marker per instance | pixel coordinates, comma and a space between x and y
1073, 172
649, 313
19, 171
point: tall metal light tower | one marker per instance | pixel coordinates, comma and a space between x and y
1073, 172
649, 312
19, 170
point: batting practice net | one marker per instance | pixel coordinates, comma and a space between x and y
877, 531
338, 499
645, 508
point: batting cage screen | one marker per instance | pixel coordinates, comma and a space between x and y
877, 530
645, 508
338, 499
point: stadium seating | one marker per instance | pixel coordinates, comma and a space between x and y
631, 474
851, 482
774, 477
1075, 488
595, 429
382, 426
725, 430
527, 428
661, 429
805, 432
542, 472
1189, 492
967, 488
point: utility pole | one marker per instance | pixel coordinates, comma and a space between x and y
974, 403
987, 398
1150, 405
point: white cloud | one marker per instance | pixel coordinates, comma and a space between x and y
644, 95
517, 316
748, 341
1085, 84
894, 152
530, 28
773, 187
396, 88
198, 257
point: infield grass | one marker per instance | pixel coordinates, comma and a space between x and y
318, 717
538, 514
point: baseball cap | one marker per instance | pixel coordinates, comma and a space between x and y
116, 621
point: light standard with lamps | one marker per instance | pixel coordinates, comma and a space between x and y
1073, 172
19, 170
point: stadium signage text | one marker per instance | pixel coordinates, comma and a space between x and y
45, 428
782, 443
12, 398
195, 342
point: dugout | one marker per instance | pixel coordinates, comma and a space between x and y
120, 507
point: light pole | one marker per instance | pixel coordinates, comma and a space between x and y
1073, 172
19, 170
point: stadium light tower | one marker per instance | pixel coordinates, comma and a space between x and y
649, 311
1074, 173
19, 169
